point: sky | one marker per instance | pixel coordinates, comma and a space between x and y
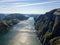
28, 6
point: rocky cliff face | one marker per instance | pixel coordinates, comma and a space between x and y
48, 27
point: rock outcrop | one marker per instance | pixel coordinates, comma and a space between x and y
5, 26
48, 27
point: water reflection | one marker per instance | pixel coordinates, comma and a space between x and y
22, 34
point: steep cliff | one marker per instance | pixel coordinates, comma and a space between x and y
48, 27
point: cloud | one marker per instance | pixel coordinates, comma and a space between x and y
41, 3
18, 5
10, 0
24, 6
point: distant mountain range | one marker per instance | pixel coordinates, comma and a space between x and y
16, 16
48, 27
32, 15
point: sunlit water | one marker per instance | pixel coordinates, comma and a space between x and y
22, 34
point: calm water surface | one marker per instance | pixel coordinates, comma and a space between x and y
22, 34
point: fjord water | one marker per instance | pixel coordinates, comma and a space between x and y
22, 33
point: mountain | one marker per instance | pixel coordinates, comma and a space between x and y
16, 16
48, 27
